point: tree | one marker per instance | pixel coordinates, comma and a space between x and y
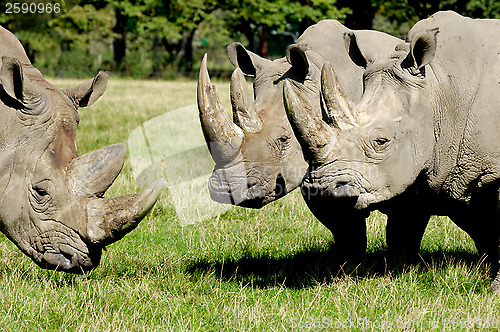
251, 16
398, 16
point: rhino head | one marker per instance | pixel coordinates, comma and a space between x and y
257, 158
372, 150
51, 199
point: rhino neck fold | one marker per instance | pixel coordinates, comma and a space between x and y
463, 92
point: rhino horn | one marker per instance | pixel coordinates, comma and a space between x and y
110, 219
312, 132
223, 137
339, 109
93, 173
244, 112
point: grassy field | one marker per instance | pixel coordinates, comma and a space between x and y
242, 270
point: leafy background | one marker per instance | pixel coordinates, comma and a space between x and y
165, 39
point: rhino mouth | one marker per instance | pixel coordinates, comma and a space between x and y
280, 189
61, 250
70, 262
256, 195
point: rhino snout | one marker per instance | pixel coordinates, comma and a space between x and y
61, 250
321, 185
233, 186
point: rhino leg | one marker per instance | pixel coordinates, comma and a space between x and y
349, 232
348, 227
484, 229
404, 231
484, 234
481, 220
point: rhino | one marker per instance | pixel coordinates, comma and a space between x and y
51, 199
257, 157
424, 139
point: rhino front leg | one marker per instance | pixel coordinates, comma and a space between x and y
407, 218
404, 231
483, 232
348, 227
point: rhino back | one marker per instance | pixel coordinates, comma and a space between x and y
466, 105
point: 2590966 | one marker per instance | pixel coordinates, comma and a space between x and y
32, 8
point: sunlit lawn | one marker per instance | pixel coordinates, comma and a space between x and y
243, 270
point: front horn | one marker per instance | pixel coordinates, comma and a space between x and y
311, 131
223, 137
109, 219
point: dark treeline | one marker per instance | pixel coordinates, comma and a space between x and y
158, 38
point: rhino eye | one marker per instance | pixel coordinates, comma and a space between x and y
381, 144
40, 191
283, 139
381, 141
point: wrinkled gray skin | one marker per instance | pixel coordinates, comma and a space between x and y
51, 203
424, 137
258, 159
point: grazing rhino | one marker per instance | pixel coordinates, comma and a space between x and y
257, 157
424, 138
51, 203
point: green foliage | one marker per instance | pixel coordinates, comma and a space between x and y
22, 15
77, 44
277, 14
157, 38
397, 17
483, 9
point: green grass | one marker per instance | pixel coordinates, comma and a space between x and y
243, 270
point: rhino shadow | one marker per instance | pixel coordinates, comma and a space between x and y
320, 266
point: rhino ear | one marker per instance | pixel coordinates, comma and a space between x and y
86, 93
12, 79
423, 48
296, 56
247, 61
354, 51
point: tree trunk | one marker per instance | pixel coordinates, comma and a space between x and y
120, 42
184, 58
263, 42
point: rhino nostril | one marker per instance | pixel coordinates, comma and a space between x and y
343, 187
341, 184
251, 184
67, 256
